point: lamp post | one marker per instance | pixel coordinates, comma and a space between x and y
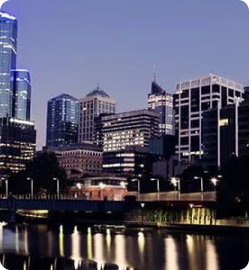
201, 178
31, 186
214, 182
158, 186
58, 186
138, 185
102, 186
176, 182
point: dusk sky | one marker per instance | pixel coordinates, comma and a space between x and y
70, 46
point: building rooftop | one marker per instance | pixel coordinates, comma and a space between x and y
63, 96
98, 92
7, 16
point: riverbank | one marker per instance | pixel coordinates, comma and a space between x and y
221, 226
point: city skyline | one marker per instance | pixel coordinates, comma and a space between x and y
120, 42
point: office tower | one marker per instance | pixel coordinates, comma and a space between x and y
21, 94
162, 102
246, 93
192, 98
91, 106
62, 120
8, 48
225, 132
132, 161
133, 128
17, 144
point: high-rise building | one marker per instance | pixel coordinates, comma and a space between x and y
8, 51
91, 106
17, 133
162, 102
134, 128
21, 94
225, 132
62, 121
17, 144
194, 97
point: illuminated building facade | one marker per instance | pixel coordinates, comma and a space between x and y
131, 161
161, 102
79, 159
95, 103
133, 128
62, 121
17, 132
101, 188
194, 97
17, 144
22, 94
8, 51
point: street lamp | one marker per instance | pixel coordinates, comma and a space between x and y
58, 186
176, 183
31, 186
158, 186
102, 186
214, 182
138, 184
198, 177
123, 184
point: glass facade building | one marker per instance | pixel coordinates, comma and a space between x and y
22, 94
62, 121
8, 47
17, 144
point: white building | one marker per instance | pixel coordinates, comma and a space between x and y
94, 104
192, 98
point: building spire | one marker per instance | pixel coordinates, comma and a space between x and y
2, 2
154, 73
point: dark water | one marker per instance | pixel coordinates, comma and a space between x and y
43, 248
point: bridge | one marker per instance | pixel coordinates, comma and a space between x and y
72, 204
12, 204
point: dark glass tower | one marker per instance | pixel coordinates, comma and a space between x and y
161, 102
8, 47
62, 121
22, 94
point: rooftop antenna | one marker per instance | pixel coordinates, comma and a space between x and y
154, 72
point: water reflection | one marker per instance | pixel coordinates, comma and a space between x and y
171, 254
70, 248
211, 256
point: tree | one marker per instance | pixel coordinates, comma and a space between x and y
235, 185
42, 169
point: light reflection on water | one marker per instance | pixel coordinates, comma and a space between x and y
137, 249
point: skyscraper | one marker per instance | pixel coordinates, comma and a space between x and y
62, 121
22, 94
17, 132
162, 102
94, 104
8, 51
194, 97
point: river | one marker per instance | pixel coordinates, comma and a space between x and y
39, 247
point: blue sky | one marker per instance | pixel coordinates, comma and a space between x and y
70, 46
